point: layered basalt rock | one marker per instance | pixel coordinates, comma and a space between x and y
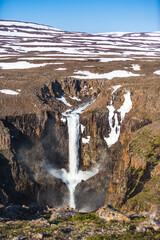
31, 143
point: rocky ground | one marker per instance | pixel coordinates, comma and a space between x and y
33, 222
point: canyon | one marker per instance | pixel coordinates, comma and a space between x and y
46, 75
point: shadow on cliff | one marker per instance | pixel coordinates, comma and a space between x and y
55, 143
55, 90
19, 141
20, 174
47, 93
136, 182
30, 155
7, 183
54, 154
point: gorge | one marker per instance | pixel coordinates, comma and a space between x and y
58, 147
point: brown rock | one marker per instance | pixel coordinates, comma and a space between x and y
109, 213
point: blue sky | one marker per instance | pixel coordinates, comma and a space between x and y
90, 16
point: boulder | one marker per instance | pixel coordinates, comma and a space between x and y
109, 213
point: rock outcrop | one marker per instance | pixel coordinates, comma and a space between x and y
108, 213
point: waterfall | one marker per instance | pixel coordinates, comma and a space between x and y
74, 176
73, 131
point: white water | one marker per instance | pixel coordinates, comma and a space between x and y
74, 176
73, 131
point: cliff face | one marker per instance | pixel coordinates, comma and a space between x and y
33, 143
137, 155
49, 73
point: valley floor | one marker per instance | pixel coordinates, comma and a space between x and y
81, 226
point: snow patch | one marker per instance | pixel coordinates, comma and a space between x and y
75, 98
9, 92
78, 110
39, 58
61, 69
157, 72
21, 65
110, 75
86, 140
117, 34
2, 50
63, 119
62, 99
26, 24
24, 34
82, 128
88, 66
136, 67
115, 88
115, 59
113, 117
126, 107
139, 53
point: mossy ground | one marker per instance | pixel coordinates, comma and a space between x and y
129, 235
82, 226
146, 144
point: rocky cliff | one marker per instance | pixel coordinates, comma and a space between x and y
34, 132
31, 143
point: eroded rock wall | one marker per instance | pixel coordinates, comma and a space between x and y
32, 143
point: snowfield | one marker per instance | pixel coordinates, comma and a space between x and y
19, 38
110, 75
29, 45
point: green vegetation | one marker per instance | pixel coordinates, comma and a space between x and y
146, 145
149, 195
142, 189
85, 217
80, 217
83, 226
130, 235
